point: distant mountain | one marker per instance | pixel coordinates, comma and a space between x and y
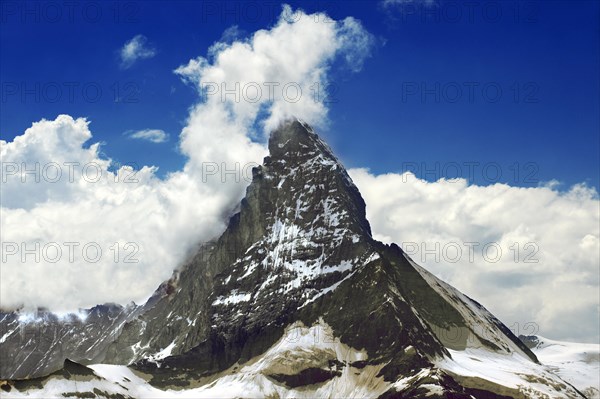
296, 299
35, 345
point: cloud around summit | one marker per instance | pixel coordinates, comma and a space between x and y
97, 206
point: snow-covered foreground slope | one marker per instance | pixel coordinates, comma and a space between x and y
336, 370
308, 351
576, 363
514, 372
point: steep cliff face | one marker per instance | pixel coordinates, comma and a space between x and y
300, 236
296, 298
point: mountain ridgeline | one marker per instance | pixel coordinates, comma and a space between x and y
298, 260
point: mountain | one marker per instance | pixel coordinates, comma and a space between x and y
579, 364
72, 380
296, 299
39, 344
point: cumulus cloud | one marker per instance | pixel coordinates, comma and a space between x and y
143, 225
94, 235
135, 49
546, 278
276, 72
152, 135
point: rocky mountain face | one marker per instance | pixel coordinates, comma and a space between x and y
35, 345
297, 299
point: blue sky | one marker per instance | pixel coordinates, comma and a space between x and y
386, 117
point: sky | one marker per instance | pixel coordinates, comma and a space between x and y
459, 122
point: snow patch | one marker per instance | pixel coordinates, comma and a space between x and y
235, 297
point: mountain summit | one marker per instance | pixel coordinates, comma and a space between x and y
296, 299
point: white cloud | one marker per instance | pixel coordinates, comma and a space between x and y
166, 217
277, 70
229, 35
135, 49
559, 293
355, 44
152, 135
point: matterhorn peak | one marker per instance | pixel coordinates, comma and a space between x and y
296, 298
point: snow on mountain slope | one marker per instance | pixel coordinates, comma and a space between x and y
303, 353
511, 371
578, 364
509, 366
333, 369
301, 350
